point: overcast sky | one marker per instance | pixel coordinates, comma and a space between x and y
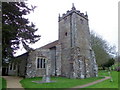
102, 14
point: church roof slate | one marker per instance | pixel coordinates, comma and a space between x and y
50, 45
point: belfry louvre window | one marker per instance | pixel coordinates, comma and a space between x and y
41, 62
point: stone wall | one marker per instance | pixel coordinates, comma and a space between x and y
20, 64
65, 42
58, 59
32, 70
13, 72
81, 39
53, 61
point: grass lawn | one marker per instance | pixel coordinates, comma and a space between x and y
68, 83
107, 83
2, 83
61, 82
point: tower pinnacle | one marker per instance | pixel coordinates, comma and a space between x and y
86, 14
59, 17
73, 7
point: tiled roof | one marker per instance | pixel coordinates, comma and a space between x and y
50, 45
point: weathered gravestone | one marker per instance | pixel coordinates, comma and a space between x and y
45, 78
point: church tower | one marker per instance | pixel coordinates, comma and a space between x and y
77, 56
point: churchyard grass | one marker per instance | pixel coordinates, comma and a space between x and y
107, 83
61, 82
2, 83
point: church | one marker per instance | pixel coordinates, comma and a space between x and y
70, 56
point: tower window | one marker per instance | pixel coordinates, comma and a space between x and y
66, 34
81, 20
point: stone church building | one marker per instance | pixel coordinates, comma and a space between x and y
70, 56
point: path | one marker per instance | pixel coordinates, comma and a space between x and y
13, 81
92, 83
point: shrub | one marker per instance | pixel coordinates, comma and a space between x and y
117, 69
108, 64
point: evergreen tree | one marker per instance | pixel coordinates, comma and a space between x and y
16, 28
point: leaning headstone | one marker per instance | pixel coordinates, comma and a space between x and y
47, 76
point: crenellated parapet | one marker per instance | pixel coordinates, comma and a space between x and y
70, 12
